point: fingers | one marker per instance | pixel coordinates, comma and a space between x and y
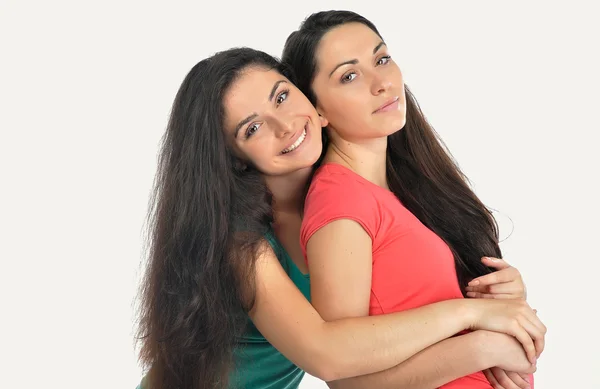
525, 377
517, 380
505, 275
515, 288
496, 263
537, 330
507, 380
523, 336
490, 377
501, 296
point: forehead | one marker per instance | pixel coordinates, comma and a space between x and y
346, 42
249, 93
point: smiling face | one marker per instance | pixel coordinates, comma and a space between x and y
271, 124
359, 88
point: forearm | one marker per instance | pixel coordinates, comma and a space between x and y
435, 366
358, 346
349, 347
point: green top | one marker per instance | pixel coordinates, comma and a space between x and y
258, 365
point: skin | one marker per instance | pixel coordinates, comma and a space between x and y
348, 347
355, 77
266, 114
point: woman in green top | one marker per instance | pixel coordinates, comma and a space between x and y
236, 158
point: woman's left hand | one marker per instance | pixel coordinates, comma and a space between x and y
500, 379
506, 283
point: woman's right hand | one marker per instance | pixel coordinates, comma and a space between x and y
511, 317
511, 369
507, 353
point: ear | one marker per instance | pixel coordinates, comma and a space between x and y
323, 120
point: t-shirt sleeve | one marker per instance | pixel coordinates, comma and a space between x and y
338, 196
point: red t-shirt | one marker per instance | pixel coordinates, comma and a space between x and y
412, 266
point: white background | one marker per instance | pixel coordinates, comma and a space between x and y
85, 92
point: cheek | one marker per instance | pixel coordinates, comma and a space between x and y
350, 107
255, 154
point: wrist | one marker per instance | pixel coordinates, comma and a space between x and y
467, 312
485, 347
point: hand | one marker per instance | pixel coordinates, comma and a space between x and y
506, 283
512, 317
505, 352
502, 379
511, 368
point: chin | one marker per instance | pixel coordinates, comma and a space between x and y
394, 126
312, 156
311, 159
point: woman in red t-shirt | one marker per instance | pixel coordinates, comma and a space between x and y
390, 222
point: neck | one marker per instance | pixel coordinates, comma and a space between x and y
288, 190
366, 158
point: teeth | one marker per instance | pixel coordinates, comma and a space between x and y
297, 143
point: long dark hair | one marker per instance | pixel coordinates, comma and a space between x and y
208, 216
420, 170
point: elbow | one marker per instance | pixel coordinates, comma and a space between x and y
325, 372
328, 366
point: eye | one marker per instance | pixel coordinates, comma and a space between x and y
252, 129
348, 77
282, 97
384, 60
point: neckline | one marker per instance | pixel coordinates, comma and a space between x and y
291, 262
286, 256
358, 177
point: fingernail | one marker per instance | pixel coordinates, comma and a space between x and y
470, 294
474, 283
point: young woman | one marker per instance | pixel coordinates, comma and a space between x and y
225, 295
390, 223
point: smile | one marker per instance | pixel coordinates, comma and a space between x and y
297, 143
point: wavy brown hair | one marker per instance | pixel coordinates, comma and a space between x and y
208, 216
420, 170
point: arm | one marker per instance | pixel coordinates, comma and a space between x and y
446, 361
347, 347
435, 366
339, 256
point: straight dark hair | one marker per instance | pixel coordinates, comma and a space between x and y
207, 220
420, 170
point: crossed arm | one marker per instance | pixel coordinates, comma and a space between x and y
360, 346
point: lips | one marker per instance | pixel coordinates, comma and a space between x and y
387, 104
297, 142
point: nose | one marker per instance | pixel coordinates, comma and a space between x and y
282, 128
380, 84
286, 126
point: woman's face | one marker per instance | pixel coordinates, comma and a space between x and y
359, 88
271, 124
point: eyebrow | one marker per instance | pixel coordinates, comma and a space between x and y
355, 61
275, 89
254, 114
243, 122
